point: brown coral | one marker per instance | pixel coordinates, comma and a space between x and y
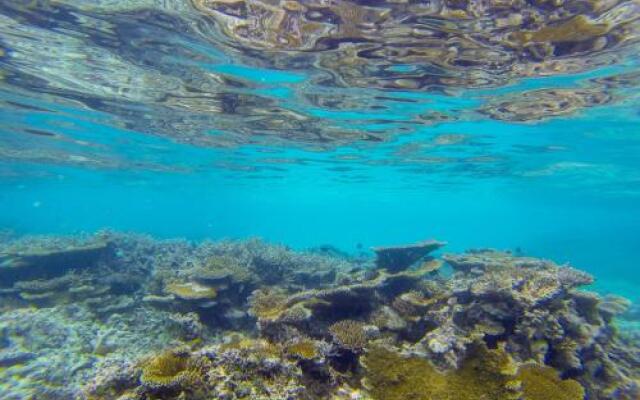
191, 291
268, 303
543, 383
169, 370
303, 348
390, 376
399, 258
350, 334
485, 374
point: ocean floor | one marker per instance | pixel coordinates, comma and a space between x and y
126, 316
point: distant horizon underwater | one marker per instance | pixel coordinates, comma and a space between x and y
371, 200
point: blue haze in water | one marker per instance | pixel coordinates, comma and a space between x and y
73, 159
310, 123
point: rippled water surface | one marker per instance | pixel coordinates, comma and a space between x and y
489, 122
145, 144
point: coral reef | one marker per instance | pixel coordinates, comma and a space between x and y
539, 383
398, 258
48, 257
234, 320
350, 334
391, 376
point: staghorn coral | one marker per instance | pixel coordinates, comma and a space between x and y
222, 270
62, 348
533, 306
273, 264
612, 305
516, 323
390, 376
268, 304
542, 383
303, 348
484, 374
349, 334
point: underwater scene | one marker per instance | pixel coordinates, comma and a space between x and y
320, 199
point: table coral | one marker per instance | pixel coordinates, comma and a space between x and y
191, 291
501, 325
398, 258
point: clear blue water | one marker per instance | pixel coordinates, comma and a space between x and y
318, 125
86, 146
154, 118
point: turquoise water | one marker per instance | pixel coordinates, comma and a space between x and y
346, 124
154, 121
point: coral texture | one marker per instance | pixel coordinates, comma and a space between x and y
235, 320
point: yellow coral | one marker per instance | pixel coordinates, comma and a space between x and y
430, 266
268, 303
246, 345
349, 334
224, 267
543, 383
413, 303
303, 348
191, 291
390, 376
485, 374
167, 369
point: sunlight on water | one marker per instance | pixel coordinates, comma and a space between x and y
333, 127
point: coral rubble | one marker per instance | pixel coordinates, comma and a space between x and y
248, 320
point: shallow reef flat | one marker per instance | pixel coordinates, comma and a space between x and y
125, 316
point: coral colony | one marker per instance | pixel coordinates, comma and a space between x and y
123, 317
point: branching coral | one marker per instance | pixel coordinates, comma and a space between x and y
350, 334
543, 383
485, 374
223, 270
267, 303
303, 348
501, 327
390, 376
272, 264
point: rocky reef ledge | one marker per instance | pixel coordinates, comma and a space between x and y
123, 317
